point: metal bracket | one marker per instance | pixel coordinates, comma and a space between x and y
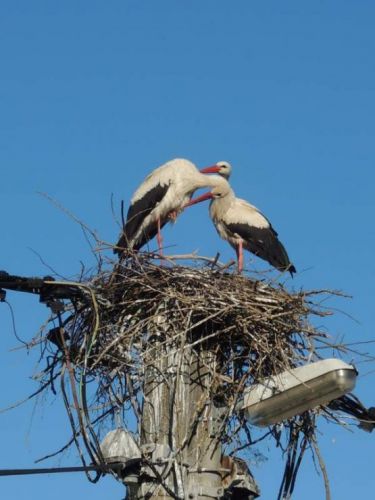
54, 336
238, 482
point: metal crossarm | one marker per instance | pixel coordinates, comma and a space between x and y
44, 287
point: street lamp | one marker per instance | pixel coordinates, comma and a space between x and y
296, 390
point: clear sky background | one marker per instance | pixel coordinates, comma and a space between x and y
94, 95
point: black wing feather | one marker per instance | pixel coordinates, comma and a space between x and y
264, 243
137, 212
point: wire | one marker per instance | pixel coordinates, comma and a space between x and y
54, 470
14, 324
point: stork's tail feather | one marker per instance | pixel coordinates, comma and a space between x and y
278, 257
122, 246
292, 270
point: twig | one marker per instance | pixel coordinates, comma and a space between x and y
322, 466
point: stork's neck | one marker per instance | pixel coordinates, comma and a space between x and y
220, 206
213, 181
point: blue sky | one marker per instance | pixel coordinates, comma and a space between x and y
94, 95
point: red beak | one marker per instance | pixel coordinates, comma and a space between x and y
214, 169
198, 199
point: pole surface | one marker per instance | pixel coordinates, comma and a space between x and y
177, 425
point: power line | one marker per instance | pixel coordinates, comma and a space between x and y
55, 470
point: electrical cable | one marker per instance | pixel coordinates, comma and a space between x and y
14, 323
54, 470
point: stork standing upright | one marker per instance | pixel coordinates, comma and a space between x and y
244, 226
160, 198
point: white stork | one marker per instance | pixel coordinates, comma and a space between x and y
244, 226
222, 168
160, 198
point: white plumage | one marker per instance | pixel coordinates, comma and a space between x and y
244, 226
159, 199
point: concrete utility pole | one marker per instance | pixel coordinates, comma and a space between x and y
178, 426
180, 455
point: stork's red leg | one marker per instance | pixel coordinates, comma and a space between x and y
159, 238
240, 256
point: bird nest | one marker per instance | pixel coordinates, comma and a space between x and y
128, 317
